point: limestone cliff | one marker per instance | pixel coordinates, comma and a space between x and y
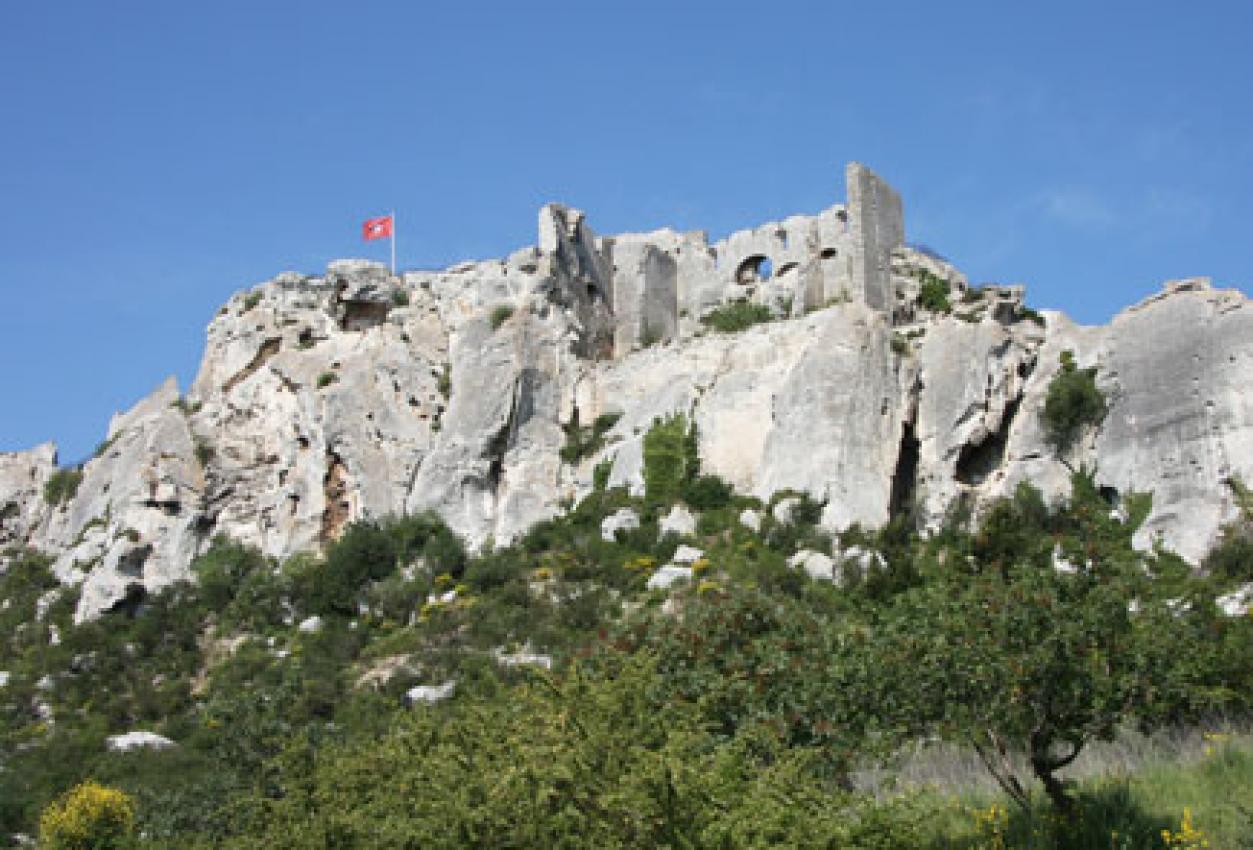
325, 399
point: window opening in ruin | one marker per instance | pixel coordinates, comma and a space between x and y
592, 292
785, 268
756, 268
827, 253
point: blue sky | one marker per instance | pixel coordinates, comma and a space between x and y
156, 157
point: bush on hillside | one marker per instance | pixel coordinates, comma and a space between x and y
1072, 403
62, 486
88, 817
737, 316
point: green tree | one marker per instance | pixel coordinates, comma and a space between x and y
1054, 633
670, 458
1072, 403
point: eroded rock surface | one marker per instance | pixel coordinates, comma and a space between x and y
322, 400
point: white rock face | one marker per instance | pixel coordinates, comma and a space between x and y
623, 519
137, 741
750, 519
355, 394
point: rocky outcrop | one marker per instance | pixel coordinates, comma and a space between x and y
322, 400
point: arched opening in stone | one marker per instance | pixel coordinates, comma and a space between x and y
756, 268
785, 268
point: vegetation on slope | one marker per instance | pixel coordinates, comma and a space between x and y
734, 711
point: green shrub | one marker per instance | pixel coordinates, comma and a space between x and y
326, 379
444, 382
600, 474
370, 551
934, 292
105, 445
252, 299
204, 451
220, 571
88, 817
707, 492
400, 298
500, 314
670, 458
62, 485
737, 316
584, 441
1027, 313
1072, 403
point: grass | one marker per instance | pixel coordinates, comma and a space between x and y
500, 315
62, 486
1129, 791
737, 316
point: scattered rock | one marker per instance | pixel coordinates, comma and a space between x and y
782, 511
137, 741
668, 575
687, 555
1238, 602
750, 519
861, 560
429, 694
815, 564
623, 519
679, 522
523, 658
310, 625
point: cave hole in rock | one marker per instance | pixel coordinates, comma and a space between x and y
131, 602
170, 507
905, 478
756, 268
131, 563
363, 315
975, 462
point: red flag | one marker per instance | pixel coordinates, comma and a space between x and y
377, 228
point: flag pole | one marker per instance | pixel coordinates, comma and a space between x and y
393, 243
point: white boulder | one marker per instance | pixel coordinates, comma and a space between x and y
429, 694
1238, 602
679, 522
137, 741
668, 575
815, 564
623, 519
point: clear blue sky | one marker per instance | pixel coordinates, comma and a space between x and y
156, 157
